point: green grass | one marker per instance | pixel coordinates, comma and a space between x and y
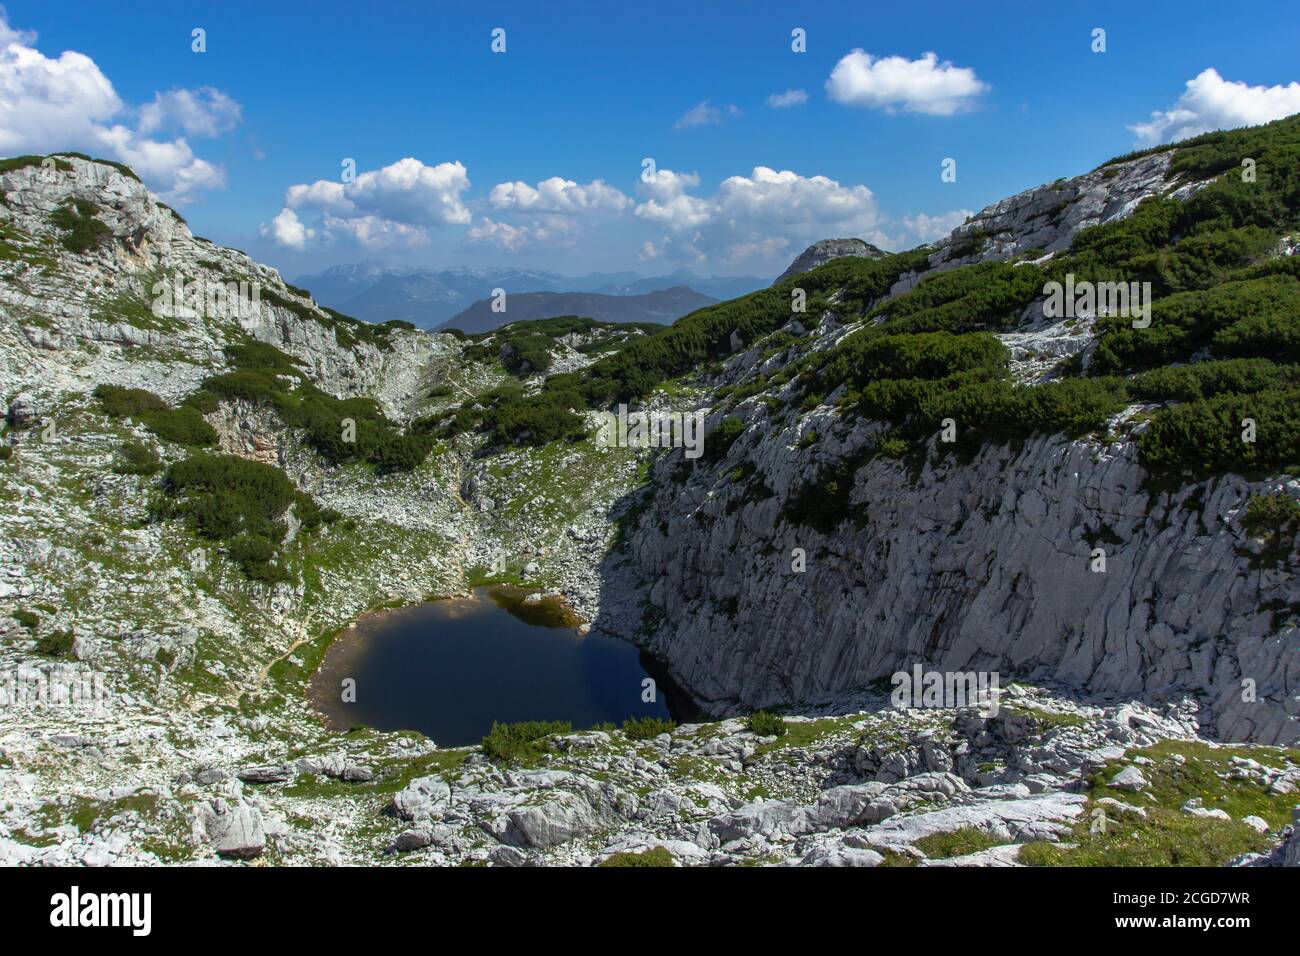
960, 842
655, 856
1045, 720
1167, 836
1164, 838
134, 311
137, 458
805, 733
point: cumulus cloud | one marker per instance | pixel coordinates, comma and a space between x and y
767, 195
788, 98
1210, 102
286, 230
202, 112
392, 205
67, 103
558, 195
667, 203
895, 83
705, 114
754, 217
323, 194
410, 192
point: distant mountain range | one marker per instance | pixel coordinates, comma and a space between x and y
379, 293
663, 306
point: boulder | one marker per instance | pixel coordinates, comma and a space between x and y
425, 798
234, 828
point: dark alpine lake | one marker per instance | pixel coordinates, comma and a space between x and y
450, 668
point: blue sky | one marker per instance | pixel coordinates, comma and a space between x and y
584, 92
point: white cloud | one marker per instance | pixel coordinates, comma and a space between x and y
553, 231
666, 184
788, 98
286, 230
557, 195
896, 83
786, 197
755, 217
410, 192
389, 206
704, 114
668, 204
202, 112
375, 232
67, 103
1210, 102
323, 194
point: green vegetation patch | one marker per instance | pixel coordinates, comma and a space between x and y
959, 842
341, 430
655, 856
81, 227
55, 644
137, 458
26, 618
1166, 836
241, 503
647, 728
522, 743
765, 724
183, 424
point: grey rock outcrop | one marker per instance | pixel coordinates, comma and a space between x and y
819, 253
233, 827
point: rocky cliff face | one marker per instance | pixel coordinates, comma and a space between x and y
981, 566
985, 564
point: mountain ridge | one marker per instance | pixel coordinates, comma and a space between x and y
663, 306
375, 292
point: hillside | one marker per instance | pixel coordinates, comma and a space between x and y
184, 523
